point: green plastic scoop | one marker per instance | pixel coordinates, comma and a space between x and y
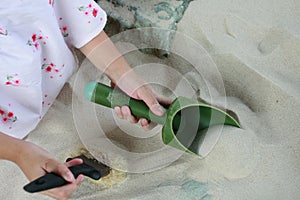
183, 120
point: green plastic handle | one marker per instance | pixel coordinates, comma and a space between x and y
109, 97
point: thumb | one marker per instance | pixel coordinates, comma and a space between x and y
157, 109
59, 169
148, 97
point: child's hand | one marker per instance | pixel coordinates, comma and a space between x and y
114, 65
36, 162
137, 89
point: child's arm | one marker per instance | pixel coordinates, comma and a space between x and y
101, 52
35, 162
10, 148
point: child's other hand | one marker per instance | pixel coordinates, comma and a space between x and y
138, 89
36, 162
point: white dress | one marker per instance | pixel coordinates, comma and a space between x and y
36, 57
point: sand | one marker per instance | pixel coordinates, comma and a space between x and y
255, 46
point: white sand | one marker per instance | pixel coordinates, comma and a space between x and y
256, 46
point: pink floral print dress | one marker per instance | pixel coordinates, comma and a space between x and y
36, 57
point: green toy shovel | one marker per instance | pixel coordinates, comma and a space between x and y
183, 120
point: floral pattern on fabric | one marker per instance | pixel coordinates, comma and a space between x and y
89, 10
52, 69
3, 31
37, 58
51, 3
7, 117
64, 31
45, 101
12, 80
37, 39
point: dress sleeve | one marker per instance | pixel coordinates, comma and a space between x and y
79, 20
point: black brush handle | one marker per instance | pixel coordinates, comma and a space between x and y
52, 180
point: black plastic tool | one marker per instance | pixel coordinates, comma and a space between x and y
89, 167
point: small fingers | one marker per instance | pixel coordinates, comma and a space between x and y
163, 100
145, 93
79, 179
118, 112
127, 114
64, 171
73, 162
64, 192
146, 125
157, 109
61, 169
